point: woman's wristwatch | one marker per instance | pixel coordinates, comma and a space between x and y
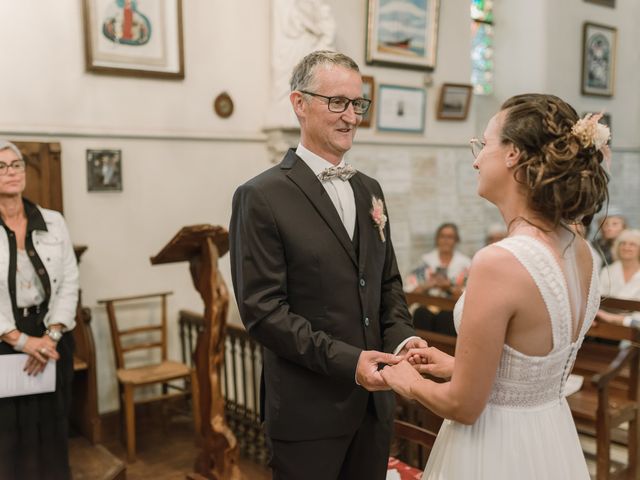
54, 334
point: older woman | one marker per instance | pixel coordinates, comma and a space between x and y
38, 297
621, 279
612, 225
443, 271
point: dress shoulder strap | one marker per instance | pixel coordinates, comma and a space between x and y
539, 262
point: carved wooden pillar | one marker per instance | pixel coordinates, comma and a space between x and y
202, 245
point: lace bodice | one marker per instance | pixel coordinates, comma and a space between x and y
527, 381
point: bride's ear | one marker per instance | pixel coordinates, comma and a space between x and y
513, 155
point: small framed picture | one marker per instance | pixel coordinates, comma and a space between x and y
368, 88
104, 170
454, 102
403, 33
141, 38
598, 59
604, 3
401, 109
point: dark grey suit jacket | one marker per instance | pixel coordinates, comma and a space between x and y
311, 300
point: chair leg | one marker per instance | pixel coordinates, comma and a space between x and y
131, 423
195, 402
603, 451
633, 446
123, 414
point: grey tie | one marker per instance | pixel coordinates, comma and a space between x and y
344, 173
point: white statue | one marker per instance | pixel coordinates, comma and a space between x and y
299, 27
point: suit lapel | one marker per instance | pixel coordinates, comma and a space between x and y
363, 215
300, 173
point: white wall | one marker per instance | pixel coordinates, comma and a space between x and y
181, 163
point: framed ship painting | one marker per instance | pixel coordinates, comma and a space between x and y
403, 33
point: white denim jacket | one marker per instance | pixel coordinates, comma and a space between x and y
56, 252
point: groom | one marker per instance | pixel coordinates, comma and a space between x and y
316, 281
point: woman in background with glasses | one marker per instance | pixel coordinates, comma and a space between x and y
38, 300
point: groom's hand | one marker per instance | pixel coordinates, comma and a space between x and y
367, 370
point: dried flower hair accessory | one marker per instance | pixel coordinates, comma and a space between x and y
590, 133
378, 216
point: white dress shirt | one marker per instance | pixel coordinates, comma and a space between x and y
340, 191
341, 194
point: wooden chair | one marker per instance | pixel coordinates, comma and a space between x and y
611, 394
158, 373
412, 446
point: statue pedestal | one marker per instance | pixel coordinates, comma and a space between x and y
279, 140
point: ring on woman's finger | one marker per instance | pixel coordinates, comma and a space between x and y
44, 351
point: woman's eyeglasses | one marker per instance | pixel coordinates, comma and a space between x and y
476, 146
17, 166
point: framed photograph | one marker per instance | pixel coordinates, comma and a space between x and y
454, 102
401, 109
104, 170
604, 3
141, 38
598, 59
403, 33
368, 88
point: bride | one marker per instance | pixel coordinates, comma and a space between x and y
529, 301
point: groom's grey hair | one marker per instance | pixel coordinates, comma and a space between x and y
303, 75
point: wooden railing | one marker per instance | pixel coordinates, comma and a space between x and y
240, 381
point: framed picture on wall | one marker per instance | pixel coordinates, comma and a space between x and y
403, 33
104, 170
598, 59
401, 109
454, 102
141, 38
368, 88
604, 3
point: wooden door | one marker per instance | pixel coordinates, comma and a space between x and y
44, 173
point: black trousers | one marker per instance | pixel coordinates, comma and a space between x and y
34, 428
362, 455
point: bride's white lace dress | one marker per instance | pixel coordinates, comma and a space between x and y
526, 431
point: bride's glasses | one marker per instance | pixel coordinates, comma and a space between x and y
476, 146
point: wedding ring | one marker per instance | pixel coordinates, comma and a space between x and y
44, 351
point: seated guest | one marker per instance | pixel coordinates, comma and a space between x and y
442, 273
614, 223
495, 233
621, 279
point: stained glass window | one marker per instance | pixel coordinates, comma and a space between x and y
482, 46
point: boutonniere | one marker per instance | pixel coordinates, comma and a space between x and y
378, 216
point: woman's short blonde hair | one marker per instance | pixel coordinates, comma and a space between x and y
628, 235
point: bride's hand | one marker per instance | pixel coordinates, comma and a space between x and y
400, 378
431, 361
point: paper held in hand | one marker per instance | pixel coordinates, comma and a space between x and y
15, 382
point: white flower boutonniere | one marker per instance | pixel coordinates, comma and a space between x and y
378, 216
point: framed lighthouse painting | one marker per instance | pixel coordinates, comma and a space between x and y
403, 33
141, 38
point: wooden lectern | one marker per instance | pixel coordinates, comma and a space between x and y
201, 246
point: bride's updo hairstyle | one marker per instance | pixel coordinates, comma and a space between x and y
564, 179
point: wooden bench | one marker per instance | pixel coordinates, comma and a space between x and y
610, 394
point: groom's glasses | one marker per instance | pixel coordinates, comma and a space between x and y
340, 104
476, 146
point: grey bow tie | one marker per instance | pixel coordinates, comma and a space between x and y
344, 173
